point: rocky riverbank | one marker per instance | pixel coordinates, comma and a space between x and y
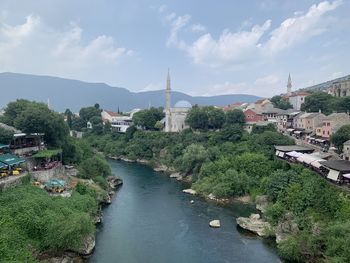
81, 254
255, 223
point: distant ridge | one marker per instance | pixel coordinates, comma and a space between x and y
327, 84
74, 94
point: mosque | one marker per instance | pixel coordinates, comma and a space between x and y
175, 117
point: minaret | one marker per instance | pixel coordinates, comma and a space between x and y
289, 85
168, 104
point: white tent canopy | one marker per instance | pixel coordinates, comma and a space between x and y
294, 154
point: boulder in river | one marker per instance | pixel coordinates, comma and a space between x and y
255, 224
189, 191
214, 223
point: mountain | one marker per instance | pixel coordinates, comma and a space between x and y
65, 93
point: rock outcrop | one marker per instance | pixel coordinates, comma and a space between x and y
254, 223
189, 191
87, 247
177, 176
285, 228
262, 202
215, 223
114, 182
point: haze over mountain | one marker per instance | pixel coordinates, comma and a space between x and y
66, 93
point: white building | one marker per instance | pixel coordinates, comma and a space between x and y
297, 99
175, 117
121, 123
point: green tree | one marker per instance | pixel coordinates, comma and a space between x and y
197, 118
5, 136
14, 109
38, 118
87, 113
281, 103
93, 167
192, 159
148, 118
340, 136
216, 117
69, 116
235, 116
318, 101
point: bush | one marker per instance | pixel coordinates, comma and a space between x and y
93, 167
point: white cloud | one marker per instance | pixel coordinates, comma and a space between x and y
54, 52
198, 28
301, 27
236, 48
176, 25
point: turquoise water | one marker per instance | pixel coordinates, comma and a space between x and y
151, 220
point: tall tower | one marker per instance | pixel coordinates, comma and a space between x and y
168, 104
289, 85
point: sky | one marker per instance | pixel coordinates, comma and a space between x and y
211, 47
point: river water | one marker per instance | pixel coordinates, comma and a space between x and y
152, 221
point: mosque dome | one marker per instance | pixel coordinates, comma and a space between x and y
183, 104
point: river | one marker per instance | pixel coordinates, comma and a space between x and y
152, 221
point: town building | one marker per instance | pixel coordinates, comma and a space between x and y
252, 116
108, 115
308, 121
285, 119
333, 122
175, 116
121, 123
346, 150
340, 88
297, 99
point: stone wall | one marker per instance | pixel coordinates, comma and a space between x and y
11, 181
45, 175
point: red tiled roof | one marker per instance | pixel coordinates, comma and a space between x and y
112, 113
301, 93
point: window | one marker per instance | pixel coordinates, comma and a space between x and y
324, 132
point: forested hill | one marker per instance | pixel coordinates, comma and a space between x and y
74, 94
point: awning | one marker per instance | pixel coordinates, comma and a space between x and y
10, 159
294, 154
320, 140
333, 175
297, 132
2, 146
281, 154
316, 164
290, 130
47, 153
346, 176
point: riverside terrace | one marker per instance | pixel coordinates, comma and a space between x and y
337, 171
10, 165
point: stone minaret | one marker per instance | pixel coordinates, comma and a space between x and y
289, 85
168, 105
